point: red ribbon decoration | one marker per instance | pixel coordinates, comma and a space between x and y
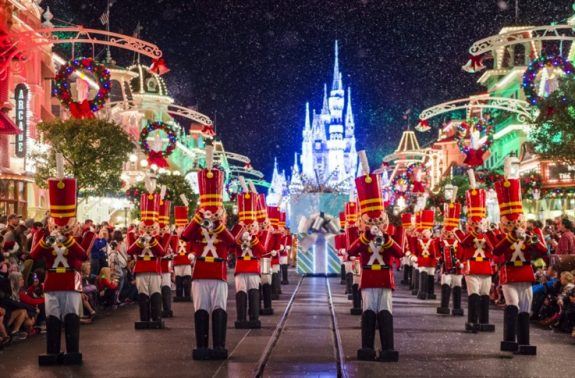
81, 110
208, 131
474, 158
159, 66
156, 157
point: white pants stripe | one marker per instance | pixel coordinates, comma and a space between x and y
166, 279
518, 294
61, 303
183, 270
376, 299
476, 284
209, 295
453, 280
148, 283
245, 282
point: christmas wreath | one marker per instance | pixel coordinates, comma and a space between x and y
418, 186
535, 67
400, 187
86, 108
474, 156
157, 156
530, 182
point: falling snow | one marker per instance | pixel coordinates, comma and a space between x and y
251, 65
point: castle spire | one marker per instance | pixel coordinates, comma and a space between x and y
307, 123
349, 113
325, 107
295, 166
336, 84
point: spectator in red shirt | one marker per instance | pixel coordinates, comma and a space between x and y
566, 245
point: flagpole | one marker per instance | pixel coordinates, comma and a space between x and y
108, 54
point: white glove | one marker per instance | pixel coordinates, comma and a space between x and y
274, 253
246, 236
413, 258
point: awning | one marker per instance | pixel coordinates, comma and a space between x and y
7, 126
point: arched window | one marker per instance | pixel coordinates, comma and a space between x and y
519, 55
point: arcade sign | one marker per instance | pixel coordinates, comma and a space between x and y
21, 93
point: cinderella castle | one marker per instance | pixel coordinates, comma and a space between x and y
328, 156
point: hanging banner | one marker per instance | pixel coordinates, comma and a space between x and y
21, 110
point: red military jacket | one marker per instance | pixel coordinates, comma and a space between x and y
248, 256
286, 243
351, 235
63, 263
147, 259
375, 261
517, 255
181, 250
426, 251
451, 254
340, 245
211, 248
274, 242
168, 256
477, 254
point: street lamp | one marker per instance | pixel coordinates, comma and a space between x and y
536, 193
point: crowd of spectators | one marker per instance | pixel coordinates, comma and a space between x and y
107, 278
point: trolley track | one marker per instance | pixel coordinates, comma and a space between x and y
298, 298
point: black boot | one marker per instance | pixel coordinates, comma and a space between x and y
457, 310
414, 281
445, 294
431, 287
167, 302
484, 315
385, 324
472, 324
276, 286
187, 282
53, 331
404, 280
348, 283
342, 274
179, 289
202, 327
267, 299
423, 282
72, 331
241, 308
409, 269
144, 303
219, 324
523, 336
509, 344
356, 309
284, 269
156, 311
254, 309
367, 352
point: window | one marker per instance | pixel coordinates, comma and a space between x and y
13, 197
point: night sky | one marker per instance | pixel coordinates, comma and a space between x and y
251, 65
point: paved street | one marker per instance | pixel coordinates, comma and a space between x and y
301, 343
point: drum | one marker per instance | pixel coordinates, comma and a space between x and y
266, 265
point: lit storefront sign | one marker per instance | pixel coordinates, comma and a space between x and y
21, 93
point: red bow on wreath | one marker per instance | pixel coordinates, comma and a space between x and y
156, 157
159, 66
474, 64
208, 131
474, 158
81, 110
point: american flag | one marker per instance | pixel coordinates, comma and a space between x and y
105, 18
